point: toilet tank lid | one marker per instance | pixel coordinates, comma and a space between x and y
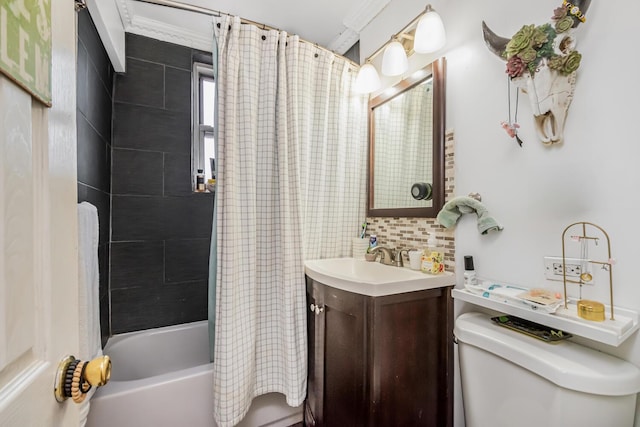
567, 364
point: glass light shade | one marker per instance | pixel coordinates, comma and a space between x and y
367, 80
394, 61
430, 34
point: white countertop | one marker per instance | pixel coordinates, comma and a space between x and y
373, 278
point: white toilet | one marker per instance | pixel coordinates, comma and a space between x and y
510, 379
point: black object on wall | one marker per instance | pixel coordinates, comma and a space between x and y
94, 110
161, 230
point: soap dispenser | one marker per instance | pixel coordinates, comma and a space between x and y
434, 257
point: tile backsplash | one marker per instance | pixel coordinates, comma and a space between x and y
413, 232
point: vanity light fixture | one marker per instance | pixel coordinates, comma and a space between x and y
394, 60
367, 80
428, 35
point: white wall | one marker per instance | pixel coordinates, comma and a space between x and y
536, 191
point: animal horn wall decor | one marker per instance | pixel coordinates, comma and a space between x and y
542, 62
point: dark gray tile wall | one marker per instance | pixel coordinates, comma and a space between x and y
94, 111
354, 53
161, 231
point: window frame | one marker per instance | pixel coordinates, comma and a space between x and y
199, 130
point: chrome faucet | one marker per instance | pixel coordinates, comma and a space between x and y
386, 256
399, 262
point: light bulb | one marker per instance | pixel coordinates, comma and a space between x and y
367, 80
394, 61
430, 34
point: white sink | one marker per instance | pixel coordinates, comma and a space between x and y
373, 278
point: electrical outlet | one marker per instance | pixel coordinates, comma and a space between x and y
553, 268
573, 270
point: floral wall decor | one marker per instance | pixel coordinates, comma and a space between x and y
542, 62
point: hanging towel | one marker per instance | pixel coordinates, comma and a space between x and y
88, 292
452, 210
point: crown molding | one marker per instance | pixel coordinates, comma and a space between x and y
170, 33
136, 24
344, 41
354, 22
361, 16
124, 8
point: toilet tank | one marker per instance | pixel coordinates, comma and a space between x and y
510, 379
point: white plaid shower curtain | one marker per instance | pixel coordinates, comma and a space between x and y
291, 186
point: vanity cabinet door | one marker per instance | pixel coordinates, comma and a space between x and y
379, 361
337, 388
411, 359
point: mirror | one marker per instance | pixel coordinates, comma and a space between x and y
406, 146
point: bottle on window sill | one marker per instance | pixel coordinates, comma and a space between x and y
200, 187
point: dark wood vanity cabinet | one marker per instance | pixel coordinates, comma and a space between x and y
379, 361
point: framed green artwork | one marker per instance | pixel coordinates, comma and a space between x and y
25, 45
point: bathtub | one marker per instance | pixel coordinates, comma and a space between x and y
162, 378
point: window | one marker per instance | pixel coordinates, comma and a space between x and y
203, 154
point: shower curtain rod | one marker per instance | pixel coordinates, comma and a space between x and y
212, 12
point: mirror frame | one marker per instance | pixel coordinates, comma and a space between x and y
439, 82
